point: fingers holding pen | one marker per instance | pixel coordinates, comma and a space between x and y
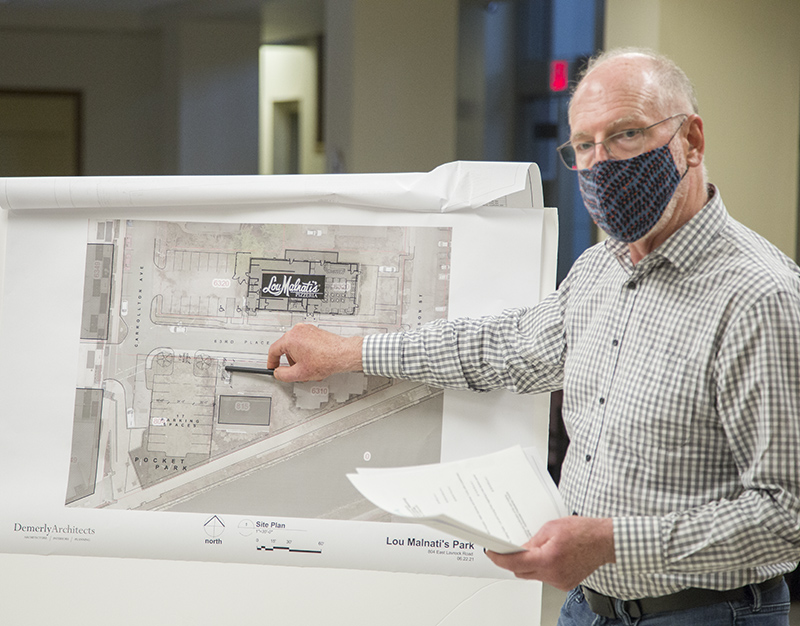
313, 354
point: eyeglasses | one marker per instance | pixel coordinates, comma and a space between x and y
622, 145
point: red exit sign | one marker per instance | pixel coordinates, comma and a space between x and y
559, 75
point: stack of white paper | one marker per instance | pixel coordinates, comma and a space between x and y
498, 501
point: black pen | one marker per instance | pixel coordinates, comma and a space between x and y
249, 370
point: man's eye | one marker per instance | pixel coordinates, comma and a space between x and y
584, 146
627, 135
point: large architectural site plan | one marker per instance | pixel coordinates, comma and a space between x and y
160, 424
129, 436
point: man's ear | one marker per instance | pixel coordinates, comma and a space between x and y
696, 140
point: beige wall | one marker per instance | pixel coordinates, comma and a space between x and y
119, 75
174, 98
744, 58
391, 84
214, 94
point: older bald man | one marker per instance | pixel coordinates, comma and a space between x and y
677, 344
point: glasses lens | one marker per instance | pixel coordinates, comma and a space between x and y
567, 154
622, 145
625, 144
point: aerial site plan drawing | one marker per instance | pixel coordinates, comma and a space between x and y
160, 424
126, 299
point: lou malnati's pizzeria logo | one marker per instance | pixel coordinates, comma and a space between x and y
292, 286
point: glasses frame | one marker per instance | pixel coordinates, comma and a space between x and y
566, 147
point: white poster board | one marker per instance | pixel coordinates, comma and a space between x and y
475, 224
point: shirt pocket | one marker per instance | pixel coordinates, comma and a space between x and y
665, 389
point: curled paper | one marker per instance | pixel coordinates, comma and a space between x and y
461, 185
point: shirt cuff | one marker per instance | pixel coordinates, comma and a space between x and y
381, 354
637, 545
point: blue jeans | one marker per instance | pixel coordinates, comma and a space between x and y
769, 608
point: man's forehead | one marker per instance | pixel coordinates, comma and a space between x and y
616, 78
620, 91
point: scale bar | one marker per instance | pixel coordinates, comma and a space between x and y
288, 549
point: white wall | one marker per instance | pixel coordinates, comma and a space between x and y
744, 58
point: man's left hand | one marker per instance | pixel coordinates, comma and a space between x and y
563, 553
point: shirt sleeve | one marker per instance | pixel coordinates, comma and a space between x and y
758, 402
521, 350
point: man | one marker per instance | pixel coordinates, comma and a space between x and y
677, 343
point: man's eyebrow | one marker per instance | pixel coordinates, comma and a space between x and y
629, 121
621, 123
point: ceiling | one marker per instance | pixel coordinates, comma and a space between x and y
279, 20
136, 7
92, 5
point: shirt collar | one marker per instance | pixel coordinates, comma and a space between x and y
683, 247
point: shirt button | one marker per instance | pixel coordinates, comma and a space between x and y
631, 285
588, 457
602, 400
615, 343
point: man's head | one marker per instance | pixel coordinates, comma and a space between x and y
675, 91
633, 103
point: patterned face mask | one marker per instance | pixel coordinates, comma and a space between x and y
627, 197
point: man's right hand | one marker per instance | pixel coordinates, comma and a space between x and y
313, 354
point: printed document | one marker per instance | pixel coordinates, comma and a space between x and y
498, 500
